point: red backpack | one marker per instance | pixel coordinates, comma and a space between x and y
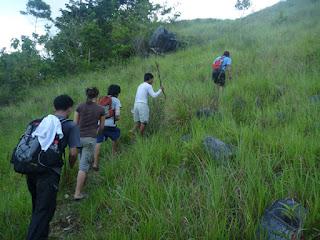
106, 103
217, 64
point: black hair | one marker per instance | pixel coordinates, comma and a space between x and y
226, 53
91, 93
62, 102
114, 90
148, 76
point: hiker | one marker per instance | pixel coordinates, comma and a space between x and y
44, 186
220, 66
87, 116
112, 109
141, 108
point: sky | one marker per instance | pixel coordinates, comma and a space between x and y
13, 24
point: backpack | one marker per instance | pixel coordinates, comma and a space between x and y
106, 103
283, 220
27, 156
217, 64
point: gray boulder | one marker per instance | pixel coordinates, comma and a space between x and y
218, 150
315, 99
163, 41
283, 220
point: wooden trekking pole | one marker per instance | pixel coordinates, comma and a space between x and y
158, 71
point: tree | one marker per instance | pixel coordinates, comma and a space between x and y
37, 9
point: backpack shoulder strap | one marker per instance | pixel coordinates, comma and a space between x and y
64, 120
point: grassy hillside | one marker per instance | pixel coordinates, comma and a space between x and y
163, 188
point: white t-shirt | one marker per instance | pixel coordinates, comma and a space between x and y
116, 105
143, 91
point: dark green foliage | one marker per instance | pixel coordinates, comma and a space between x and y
37, 9
242, 4
20, 69
92, 33
95, 31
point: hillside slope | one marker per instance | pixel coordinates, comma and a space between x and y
163, 188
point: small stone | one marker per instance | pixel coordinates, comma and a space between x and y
186, 138
315, 99
205, 112
218, 150
281, 117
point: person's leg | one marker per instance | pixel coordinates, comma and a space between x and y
81, 178
114, 147
97, 148
144, 118
142, 128
222, 82
135, 119
45, 205
95, 165
32, 187
114, 134
84, 165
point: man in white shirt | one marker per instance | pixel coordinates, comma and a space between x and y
141, 108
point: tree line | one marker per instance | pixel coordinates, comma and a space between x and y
90, 34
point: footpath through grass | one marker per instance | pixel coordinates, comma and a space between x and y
163, 188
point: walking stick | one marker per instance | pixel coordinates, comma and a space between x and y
158, 71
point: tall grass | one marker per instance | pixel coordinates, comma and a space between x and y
163, 188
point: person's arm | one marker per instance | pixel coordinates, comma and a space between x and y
153, 93
101, 125
76, 118
73, 143
117, 110
228, 70
117, 114
73, 153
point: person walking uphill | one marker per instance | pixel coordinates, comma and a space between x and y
44, 186
87, 116
220, 67
141, 108
112, 107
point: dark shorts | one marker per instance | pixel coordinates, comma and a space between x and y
109, 132
219, 78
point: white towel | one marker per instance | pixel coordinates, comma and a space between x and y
47, 130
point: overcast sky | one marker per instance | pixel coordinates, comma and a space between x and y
13, 24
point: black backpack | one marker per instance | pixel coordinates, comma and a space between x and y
27, 156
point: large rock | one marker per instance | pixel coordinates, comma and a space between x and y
218, 150
163, 41
283, 220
